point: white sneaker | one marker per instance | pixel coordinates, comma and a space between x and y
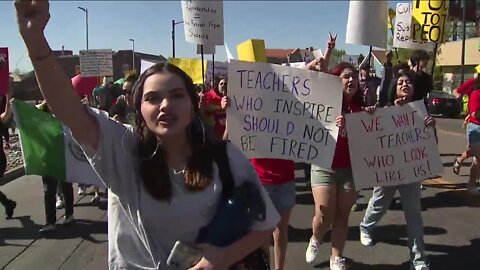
337, 263
95, 199
48, 228
420, 267
472, 189
59, 204
312, 251
82, 190
68, 220
366, 239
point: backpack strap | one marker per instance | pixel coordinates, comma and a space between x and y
221, 158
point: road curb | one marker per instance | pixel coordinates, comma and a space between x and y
12, 175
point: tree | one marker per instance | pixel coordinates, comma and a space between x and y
337, 57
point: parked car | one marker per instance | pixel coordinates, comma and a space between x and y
444, 104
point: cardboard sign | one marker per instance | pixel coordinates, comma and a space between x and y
96, 63
402, 34
4, 71
207, 49
367, 21
203, 21
429, 18
283, 112
392, 147
193, 67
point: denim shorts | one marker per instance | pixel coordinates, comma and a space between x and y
325, 177
283, 195
473, 134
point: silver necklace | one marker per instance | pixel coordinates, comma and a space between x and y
182, 171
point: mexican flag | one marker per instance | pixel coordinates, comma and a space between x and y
48, 147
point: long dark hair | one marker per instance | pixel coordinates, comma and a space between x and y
357, 99
154, 169
392, 91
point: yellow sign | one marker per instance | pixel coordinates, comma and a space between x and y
477, 69
252, 50
428, 20
391, 16
193, 67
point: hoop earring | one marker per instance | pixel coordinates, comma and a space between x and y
154, 152
204, 133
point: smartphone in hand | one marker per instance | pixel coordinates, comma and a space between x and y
183, 256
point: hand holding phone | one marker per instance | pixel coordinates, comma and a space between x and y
183, 256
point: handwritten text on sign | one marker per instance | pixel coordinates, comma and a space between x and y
283, 112
429, 18
96, 63
402, 36
203, 22
392, 147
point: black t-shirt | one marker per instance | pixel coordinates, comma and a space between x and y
423, 84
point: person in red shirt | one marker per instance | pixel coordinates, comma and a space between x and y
333, 189
466, 89
213, 109
473, 135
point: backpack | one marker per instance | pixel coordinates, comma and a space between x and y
252, 205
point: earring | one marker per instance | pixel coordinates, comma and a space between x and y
204, 133
154, 152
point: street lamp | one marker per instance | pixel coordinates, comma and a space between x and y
173, 36
133, 53
86, 22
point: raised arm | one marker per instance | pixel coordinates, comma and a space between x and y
328, 52
56, 87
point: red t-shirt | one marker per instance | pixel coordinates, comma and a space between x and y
215, 116
467, 87
341, 158
474, 105
274, 171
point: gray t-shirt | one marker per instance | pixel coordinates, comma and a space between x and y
142, 230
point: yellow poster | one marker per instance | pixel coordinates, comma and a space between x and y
428, 20
391, 17
252, 50
193, 67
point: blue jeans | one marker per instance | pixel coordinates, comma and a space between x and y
410, 195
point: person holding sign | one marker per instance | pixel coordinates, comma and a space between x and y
410, 193
422, 81
163, 174
333, 189
214, 109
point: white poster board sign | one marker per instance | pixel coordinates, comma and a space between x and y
367, 23
392, 146
283, 112
402, 34
144, 65
220, 69
207, 49
203, 21
295, 64
352, 59
96, 63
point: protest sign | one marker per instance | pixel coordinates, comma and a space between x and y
220, 69
402, 35
428, 20
252, 50
283, 112
207, 49
203, 21
392, 146
295, 64
144, 65
193, 67
96, 63
4, 71
367, 22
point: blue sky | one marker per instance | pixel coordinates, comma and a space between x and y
282, 24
